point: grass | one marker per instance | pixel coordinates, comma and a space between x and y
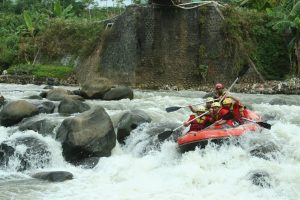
50, 71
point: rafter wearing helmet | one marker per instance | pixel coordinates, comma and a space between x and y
218, 113
235, 106
219, 91
199, 123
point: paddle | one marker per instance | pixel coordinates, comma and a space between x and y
164, 135
241, 73
174, 108
262, 124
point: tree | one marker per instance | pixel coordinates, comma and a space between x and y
289, 21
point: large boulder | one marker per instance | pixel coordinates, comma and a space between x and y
118, 93
43, 126
69, 106
129, 121
15, 111
57, 176
28, 152
96, 88
90, 134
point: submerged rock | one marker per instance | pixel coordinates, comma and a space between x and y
129, 121
46, 107
57, 176
260, 178
29, 152
266, 151
43, 126
278, 101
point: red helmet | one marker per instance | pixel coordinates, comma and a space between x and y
219, 86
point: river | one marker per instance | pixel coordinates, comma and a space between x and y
130, 173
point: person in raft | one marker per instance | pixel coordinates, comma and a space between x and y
208, 102
234, 106
199, 123
221, 117
219, 91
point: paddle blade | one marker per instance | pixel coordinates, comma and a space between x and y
264, 124
173, 108
164, 135
243, 71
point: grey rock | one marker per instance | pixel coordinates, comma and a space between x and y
43, 126
89, 134
129, 121
36, 154
46, 107
118, 93
260, 178
69, 106
57, 176
13, 112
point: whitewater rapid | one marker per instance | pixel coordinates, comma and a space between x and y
131, 173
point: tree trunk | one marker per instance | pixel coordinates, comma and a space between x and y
297, 54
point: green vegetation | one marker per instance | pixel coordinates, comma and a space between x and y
47, 32
50, 71
270, 32
247, 33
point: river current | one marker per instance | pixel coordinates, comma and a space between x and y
131, 173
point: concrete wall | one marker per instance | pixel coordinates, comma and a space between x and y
152, 46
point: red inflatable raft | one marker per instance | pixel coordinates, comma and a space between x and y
191, 140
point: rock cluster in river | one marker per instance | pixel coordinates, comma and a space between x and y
85, 137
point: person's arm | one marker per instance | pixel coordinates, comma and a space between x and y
236, 100
192, 109
187, 123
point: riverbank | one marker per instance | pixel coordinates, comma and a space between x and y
29, 79
291, 86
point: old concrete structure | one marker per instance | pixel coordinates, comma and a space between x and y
151, 46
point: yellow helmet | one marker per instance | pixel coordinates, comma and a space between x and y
216, 104
200, 109
227, 101
209, 99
